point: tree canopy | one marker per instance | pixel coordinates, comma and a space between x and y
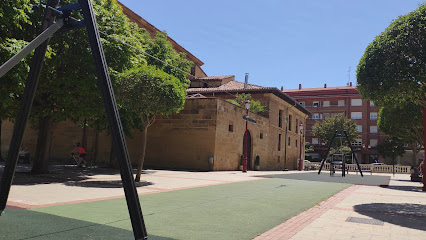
326, 128
391, 147
402, 121
393, 67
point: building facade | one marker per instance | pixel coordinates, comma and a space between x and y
330, 101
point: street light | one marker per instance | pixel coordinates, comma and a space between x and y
301, 160
247, 105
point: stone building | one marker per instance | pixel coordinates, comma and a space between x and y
210, 128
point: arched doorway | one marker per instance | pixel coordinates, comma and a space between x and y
248, 148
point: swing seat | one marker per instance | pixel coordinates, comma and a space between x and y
333, 167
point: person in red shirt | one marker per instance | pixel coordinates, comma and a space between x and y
81, 154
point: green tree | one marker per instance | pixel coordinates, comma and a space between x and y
309, 148
148, 92
391, 148
177, 64
404, 122
14, 16
325, 130
393, 67
255, 106
392, 70
68, 85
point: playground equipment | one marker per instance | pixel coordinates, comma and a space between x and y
49, 27
333, 164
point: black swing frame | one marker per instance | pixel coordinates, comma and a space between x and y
104, 82
336, 134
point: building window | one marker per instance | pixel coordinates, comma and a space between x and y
289, 122
314, 140
297, 126
261, 136
302, 104
373, 142
359, 128
356, 115
326, 103
289, 141
280, 119
315, 116
357, 142
371, 104
325, 115
341, 103
373, 129
356, 102
373, 115
231, 128
316, 104
279, 142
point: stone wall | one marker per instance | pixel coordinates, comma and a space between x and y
230, 133
206, 127
64, 137
185, 140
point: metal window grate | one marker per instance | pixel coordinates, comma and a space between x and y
365, 221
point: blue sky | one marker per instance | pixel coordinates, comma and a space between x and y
278, 42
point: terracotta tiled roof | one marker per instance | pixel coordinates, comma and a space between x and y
232, 86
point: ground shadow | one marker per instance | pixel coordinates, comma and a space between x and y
26, 224
371, 180
104, 184
405, 188
60, 173
405, 215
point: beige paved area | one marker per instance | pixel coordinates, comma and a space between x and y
107, 186
400, 209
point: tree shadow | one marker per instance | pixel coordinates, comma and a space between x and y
405, 188
24, 224
104, 184
402, 214
70, 175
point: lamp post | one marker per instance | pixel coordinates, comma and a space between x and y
247, 105
285, 144
300, 151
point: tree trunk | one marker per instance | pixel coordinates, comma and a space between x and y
142, 158
1, 157
95, 148
112, 159
41, 158
415, 150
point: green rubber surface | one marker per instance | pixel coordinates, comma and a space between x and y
229, 211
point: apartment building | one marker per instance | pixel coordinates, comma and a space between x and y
330, 101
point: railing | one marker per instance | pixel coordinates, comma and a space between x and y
364, 167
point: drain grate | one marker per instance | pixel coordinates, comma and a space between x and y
365, 221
